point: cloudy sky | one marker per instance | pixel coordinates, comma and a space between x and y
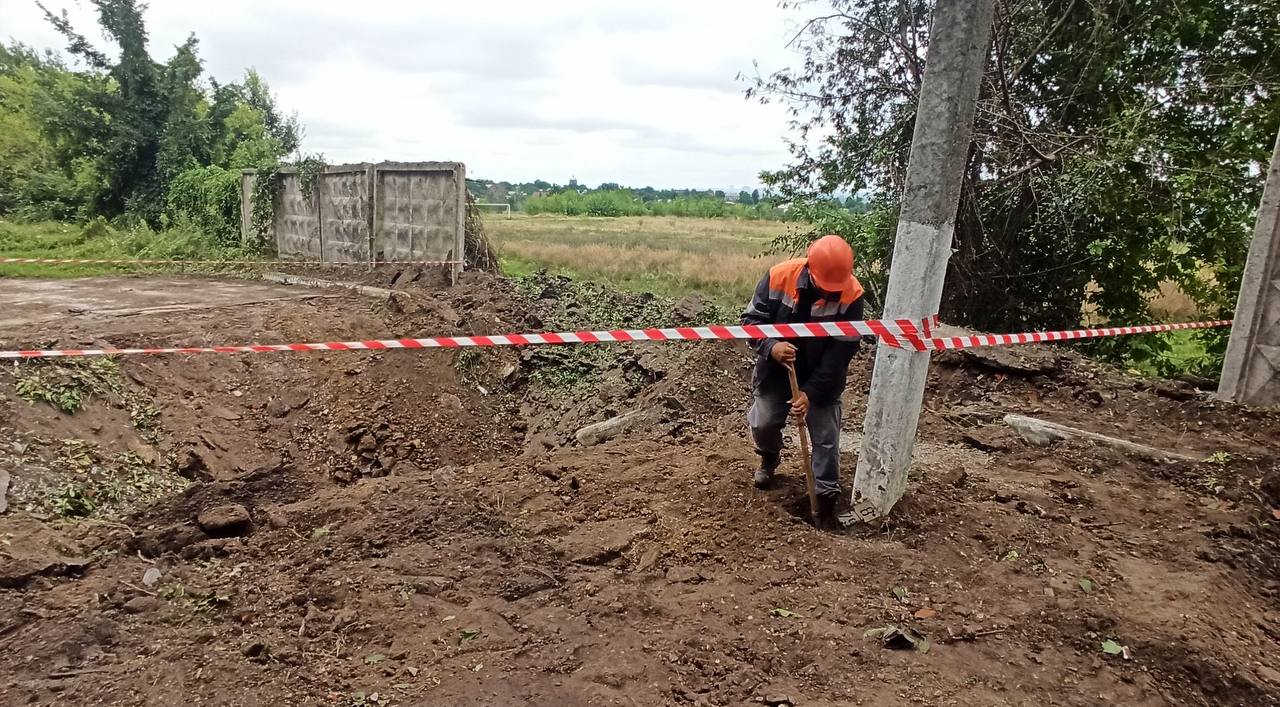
635, 93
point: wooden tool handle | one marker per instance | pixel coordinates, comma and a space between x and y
803, 428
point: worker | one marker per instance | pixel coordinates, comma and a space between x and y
817, 288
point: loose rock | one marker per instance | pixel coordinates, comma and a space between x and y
142, 605
1271, 486
253, 649
225, 521
151, 577
955, 477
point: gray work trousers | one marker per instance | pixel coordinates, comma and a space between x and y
767, 417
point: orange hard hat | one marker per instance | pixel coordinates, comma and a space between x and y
831, 263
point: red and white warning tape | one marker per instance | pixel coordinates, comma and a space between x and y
1036, 337
901, 333
144, 261
885, 329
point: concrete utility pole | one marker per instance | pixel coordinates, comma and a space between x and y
958, 44
1251, 371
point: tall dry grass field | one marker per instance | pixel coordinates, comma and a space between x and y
669, 255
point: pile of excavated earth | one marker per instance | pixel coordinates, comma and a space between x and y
576, 525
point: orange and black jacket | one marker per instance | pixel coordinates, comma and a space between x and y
786, 295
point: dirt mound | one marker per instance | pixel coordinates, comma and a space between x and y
576, 525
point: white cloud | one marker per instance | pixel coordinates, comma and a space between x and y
636, 94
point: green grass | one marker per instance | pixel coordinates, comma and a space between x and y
96, 483
98, 240
671, 256
1187, 349
1187, 353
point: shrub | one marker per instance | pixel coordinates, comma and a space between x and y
209, 199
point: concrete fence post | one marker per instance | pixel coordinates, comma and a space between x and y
1251, 371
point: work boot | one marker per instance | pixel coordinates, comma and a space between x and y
826, 519
764, 475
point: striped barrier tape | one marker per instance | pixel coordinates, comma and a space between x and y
900, 333
145, 261
1037, 337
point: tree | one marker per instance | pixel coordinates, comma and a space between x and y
755, 196
24, 150
185, 141
284, 129
116, 136
856, 204
744, 197
1116, 147
133, 112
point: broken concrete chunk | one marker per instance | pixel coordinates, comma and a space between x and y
225, 521
450, 403
604, 431
1043, 433
1034, 431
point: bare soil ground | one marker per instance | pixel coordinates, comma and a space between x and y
407, 528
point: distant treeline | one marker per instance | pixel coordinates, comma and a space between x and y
610, 199
624, 202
